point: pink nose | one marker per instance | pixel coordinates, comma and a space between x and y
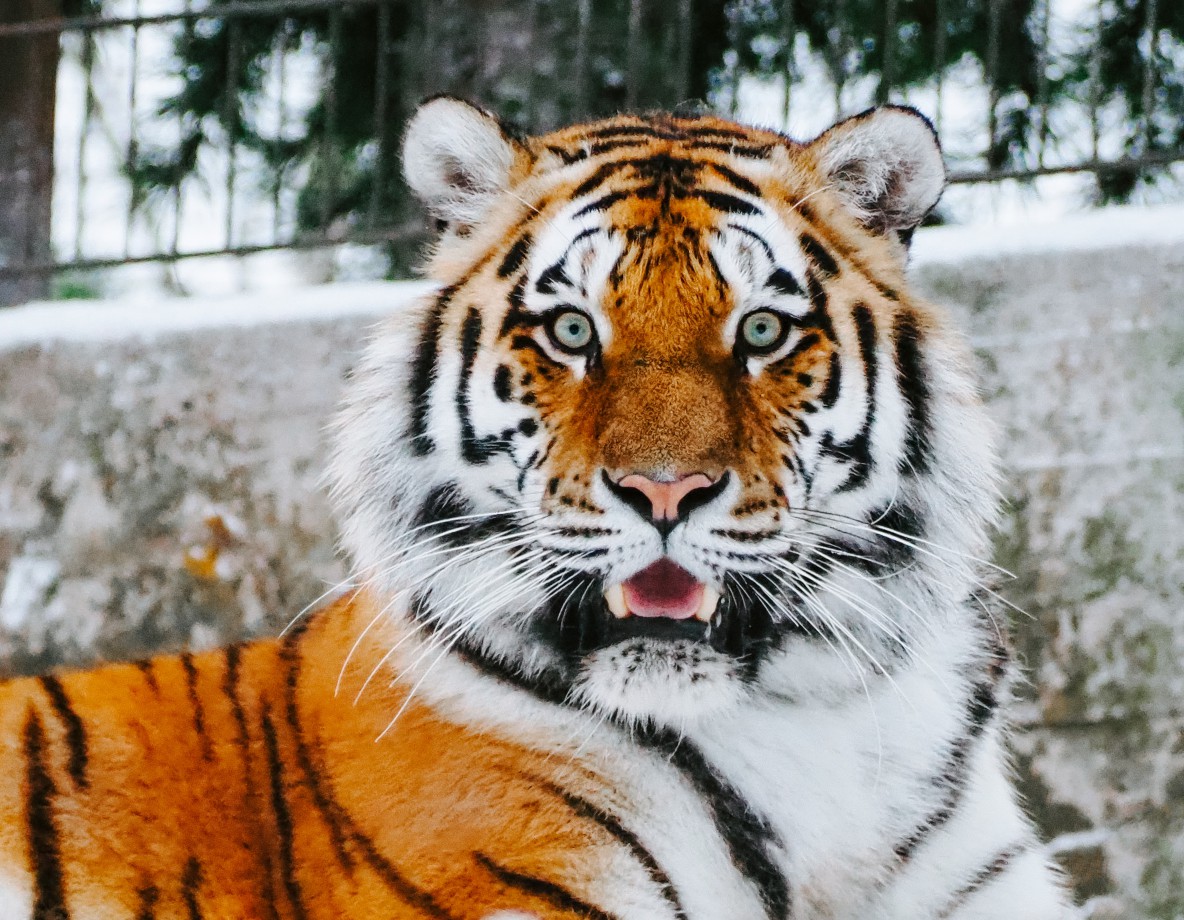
665, 496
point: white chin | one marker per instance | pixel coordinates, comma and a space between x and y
666, 683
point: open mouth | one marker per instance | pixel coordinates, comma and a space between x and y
663, 589
663, 603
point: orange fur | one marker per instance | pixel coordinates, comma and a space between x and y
256, 794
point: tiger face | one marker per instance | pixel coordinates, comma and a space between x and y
671, 434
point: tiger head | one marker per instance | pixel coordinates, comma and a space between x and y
671, 433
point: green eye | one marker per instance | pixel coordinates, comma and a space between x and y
762, 330
572, 330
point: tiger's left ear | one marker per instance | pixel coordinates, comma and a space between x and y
886, 166
457, 159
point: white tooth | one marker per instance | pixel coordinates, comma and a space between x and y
615, 598
708, 604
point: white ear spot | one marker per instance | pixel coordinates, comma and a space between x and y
886, 165
457, 159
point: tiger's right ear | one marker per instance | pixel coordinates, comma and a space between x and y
457, 159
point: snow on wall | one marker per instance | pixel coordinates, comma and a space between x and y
159, 488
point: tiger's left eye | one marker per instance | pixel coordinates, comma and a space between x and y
572, 330
763, 330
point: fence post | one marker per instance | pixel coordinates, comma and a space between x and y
28, 75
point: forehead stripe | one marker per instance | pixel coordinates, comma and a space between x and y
722, 201
737, 180
515, 256
819, 256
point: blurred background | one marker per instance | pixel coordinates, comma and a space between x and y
201, 215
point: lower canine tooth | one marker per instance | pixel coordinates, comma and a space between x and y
708, 604
615, 598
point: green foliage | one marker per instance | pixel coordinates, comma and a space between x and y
1142, 77
542, 63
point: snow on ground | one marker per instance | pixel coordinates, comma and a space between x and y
98, 321
145, 317
1096, 229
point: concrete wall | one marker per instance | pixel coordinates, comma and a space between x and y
159, 488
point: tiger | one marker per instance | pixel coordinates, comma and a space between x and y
667, 512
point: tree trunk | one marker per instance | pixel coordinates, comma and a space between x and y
28, 78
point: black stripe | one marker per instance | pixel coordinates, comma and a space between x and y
503, 383
145, 667
748, 151
548, 686
190, 886
748, 835
955, 773
604, 147
474, 449
914, 386
819, 315
423, 371
283, 819
599, 177
199, 712
818, 254
553, 894
49, 901
230, 688
148, 896
613, 826
342, 826
515, 256
756, 238
784, 283
603, 203
334, 819
834, 376
722, 201
75, 731
857, 451
988, 873
740, 182
554, 275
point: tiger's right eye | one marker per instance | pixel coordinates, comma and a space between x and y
572, 331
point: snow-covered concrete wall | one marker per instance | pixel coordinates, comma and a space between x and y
159, 488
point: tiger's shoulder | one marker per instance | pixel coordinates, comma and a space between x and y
247, 781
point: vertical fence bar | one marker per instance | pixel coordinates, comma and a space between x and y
939, 59
230, 118
382, 88
634, 55
133, 200
994, 25
887, 69
583, 41
281, 123
1095, 82
329, 157
686, 31
1042, 100
178, 198
788, 37
88, 111
840, 54
1149, 73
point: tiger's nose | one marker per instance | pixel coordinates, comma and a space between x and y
665, 503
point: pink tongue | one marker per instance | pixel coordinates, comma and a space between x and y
664, 589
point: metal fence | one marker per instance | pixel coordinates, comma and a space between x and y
123, 193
